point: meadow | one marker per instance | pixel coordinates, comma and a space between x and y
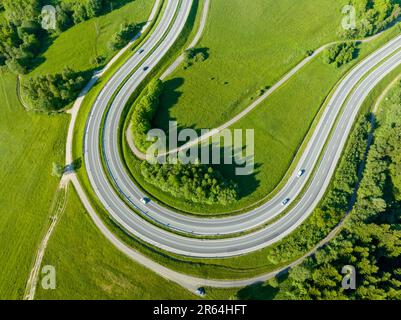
249, 46
79, 45
89, 267
31, 142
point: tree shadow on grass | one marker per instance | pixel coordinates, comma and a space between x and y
168, 100
258, 291
268, 290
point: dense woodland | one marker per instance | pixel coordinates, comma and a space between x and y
371, 239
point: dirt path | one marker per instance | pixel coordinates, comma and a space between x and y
56, 211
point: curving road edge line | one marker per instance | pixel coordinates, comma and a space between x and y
186, 281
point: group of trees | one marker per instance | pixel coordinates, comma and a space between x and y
195, 182
21, 34
372, 16
346, 176
371, 239
53, 92
123, 36
144, 111
194, 55
340, 54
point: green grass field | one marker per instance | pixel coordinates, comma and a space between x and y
89, 267
250, 46
78, 45
30, 143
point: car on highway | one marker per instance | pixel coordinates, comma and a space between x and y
285, 202
201, 292
145, 68
141, 51
145, 200
301, 173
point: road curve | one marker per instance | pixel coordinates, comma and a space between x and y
161, 40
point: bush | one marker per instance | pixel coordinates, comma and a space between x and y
194, 55
341, 54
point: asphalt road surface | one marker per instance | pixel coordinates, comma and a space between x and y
123, 203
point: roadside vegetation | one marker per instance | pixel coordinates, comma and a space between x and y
279, 136
195, 183
340, 54
324, 218
188, 97
372, 16
322, 221
144, 109
371, 239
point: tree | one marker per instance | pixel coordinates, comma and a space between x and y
144, 111
94, 8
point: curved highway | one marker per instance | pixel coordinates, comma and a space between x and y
349, 95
